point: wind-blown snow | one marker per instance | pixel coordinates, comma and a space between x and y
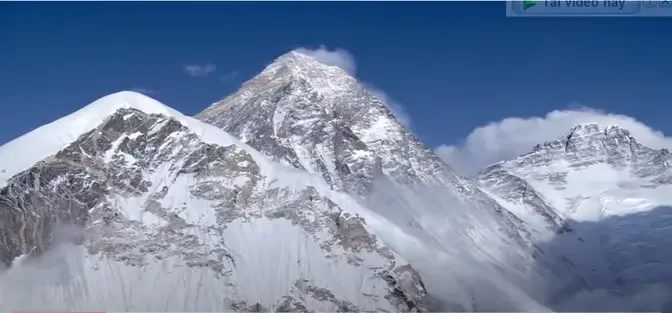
269, 257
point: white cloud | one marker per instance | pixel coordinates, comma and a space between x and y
337, 57
199, 70
144, 90
346, 61
514, 136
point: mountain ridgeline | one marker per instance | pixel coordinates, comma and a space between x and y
301, 192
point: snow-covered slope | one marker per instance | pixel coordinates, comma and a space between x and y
317, 118
599, 199
23, 152
172, 214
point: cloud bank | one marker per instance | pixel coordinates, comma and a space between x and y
199, 70
346, 61
514, 136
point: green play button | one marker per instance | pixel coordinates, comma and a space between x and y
528, 4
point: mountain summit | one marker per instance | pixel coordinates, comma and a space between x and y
608, 150
589, 144
170, 213
605, 199
298, 63
318, 118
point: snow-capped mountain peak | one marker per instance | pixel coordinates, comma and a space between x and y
303, 71
178, 197
612, 193
297, 62
589, 144
157, 192
320, 119
587, 129
309, 115
24, 151
592, 136
590, 154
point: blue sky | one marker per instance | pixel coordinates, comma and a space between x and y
452, 66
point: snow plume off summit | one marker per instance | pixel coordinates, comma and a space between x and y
302, 192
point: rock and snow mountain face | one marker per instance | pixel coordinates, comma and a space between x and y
316, 206
600, 199
317, 118
173, 214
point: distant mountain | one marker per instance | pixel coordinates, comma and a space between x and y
599, 199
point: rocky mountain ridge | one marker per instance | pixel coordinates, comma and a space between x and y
599, 200
167, 194
318, 118
585, 146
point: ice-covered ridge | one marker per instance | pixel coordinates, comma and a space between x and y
589, 134
596, 127
23, 152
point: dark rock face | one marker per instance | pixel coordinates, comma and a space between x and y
37, 200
